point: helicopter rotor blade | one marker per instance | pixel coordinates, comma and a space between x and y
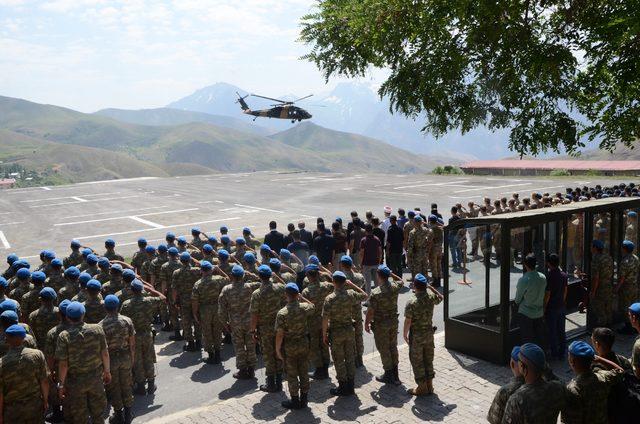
269, 98
302, 98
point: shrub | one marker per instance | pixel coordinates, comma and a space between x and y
560, 173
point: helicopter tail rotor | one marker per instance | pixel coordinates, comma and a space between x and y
243, 104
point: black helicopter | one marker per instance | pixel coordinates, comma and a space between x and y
282, 110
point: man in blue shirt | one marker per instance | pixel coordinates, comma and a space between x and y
530, 292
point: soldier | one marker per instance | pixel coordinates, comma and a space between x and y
114, 284
634, 319
24, 387
121, 341
51, 339
601, 292
182, 283
417, 248
537, 400
140, 256
496, 410
166, 276
249, 261
94, 306
233, 311
196, 241
337, 318
8, 318
208, 253
282, 271
127, 278
31, 300
23, 280
241, 248
83, 368
631, 230
92, 265
71, 287
155, 279
588, 392
627, 287
75, 257
250, 238
55, 279
346, 266
103, 274
44, 318
110, 251
141, 309
182, 244
292, 332
11, 258
85, 254
435, 252
48, 256
317, 291
82, 295
170, 238
382, 317
223, 261
418, 333
204, 298
266, 301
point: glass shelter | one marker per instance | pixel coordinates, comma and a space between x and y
479, 310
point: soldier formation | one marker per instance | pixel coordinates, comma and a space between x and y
78, 334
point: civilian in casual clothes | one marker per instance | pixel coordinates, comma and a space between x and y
323, 245
386, 222
340, 243
378, 232
371, 253
299, 247
288, 239
456, 252
555, 302
305, 235
530, 292
402, 218
354, 221
274, 239
393, 246
354, 241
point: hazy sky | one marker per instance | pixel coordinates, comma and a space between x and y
91, 54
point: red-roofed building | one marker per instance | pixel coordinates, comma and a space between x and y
7, 183
544, 167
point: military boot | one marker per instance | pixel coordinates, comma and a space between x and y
128, 415
177, 336
227, 338
251, 373
56, 415
241, 374
209, 359
304, 400
270, 386
190, 346
396, 376
293, 403
320, 373
198, 344
117, 418
139, 389
350, 389
216, 356
386, 377
340, 390
358, 361
279, 382
421, 390
167, 327
151, 386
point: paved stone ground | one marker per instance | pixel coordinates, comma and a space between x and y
464, 388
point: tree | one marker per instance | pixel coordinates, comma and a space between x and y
552, 71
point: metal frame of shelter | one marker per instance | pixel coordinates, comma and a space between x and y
494, 343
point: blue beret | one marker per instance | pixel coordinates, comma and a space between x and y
384, 270
223, 229
116, 267
628, 244
50, 254
225, 239
94, 285
182, 240
56, 263
75, 310
534, 354
632, 214
92, 259
206, 265
420, 279
338, 219
137, 285
241, 240
195, 231
109, 242
62, 307
173, 251
3, 283
418, 218
223, 254
72, 272
249, 258
581, 349
275, 262
515, 352
339, 275
10, 316
213, 240
312, 268
292, 287
264, 270
598, 244
23, 273
285, 254
22, 263
150, 249
12, 258
207, 248
346, 259
634, 308
433, 217
48, 293
170, 236
313, 259
162, 248
16, 331
265, 247
411, 214
86, 252
111, 302
38, 277
185, 257
9, 305
246, 230
75, 244
142, 242
237, 271
128, 275
84, 278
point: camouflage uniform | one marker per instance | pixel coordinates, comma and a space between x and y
538, 403
417, 250
628, 293
146, 270
587, 397
117, 330
21, 371
23, 288
69, 290
155, 280
94, 310
166, 276
81, 346
635, 355
357, 279
419, 309
141, 310
496, 410
55, 280
51, 341
316, 292
601, 304
30, 301
338, 309
293, 320
42, 320
631, 232
138, 259
74, 259
233, 308
29, 341
114, 284
384, 302
125, 293
112, 255
205, 293
91, 270
266, 301
182, 282
435, 253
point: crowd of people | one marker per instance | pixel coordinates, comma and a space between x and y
78, 331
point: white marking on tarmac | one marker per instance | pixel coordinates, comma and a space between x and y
4, 240
397, 193
113, 218
255, 207
491, 188
146, 222
449, 183
117, 211
76, 202
119, 181
46, 188
79, 199
69, 197
12, 223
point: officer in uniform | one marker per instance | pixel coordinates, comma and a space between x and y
141, 309
93, 305
23, 380
204, 298
75, 257
44, 318
266, 301
114, 284
292, 333
110, 251
140, 256
417, 242
316, 292
337, 318
418, 333
31, 300
55, 279
51, 340
496, 410
83, 368
71, 287
627, 288
601, 290
121, 340
382, 317
182, 283
435, 253
233, 311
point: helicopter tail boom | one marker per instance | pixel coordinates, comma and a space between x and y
243, 104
